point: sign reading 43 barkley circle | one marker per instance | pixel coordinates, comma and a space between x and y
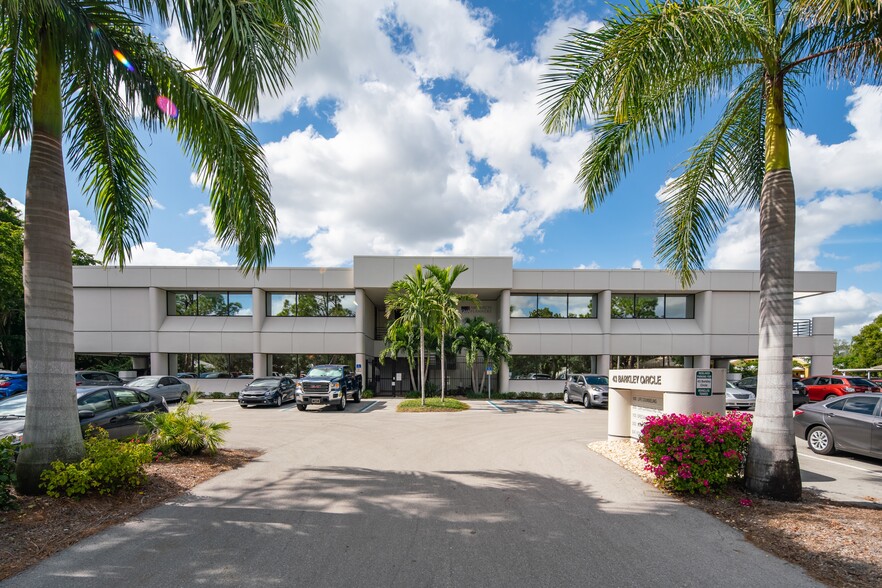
643, 380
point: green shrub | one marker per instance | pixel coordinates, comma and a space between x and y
7, 473
218, 395
184, 433
695, 452
109, 465
368, 393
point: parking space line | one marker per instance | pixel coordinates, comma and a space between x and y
369, 405
490, 402
566, 406
223, 408
845, 465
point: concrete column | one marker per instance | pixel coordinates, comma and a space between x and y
361, 309
701, 361
158, 310
258, 304
159, 364
259, 361
603, 364
171, 362
505, 329
604, 311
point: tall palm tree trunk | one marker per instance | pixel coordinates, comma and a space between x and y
772, 467
443, 367
48, 288
422, 363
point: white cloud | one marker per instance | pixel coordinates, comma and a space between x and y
85, 235
590, 266
868, 267
464, 169
852, 308
637, 264
156, 204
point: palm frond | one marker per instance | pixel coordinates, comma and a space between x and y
18, 57
724, 169
106, 154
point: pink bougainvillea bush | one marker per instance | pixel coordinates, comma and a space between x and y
695, 452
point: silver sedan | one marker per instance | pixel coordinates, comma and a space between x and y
168, 387
852, 423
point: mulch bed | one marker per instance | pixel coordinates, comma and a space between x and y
42, 526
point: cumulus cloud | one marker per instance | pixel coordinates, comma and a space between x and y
85, 235
868, 267
852, 308
435, 143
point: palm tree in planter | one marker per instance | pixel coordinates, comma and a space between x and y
646, 76
85, 72
448, 308
481, 340
415, 299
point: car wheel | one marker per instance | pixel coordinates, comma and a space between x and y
566, 397
301, 407
820, 440
342, 405
183, 397
829, 396
279, 399
356, 396
244, 405
586, 401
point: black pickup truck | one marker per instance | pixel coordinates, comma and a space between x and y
329, 384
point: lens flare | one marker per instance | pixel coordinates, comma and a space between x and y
167, 106
122, 59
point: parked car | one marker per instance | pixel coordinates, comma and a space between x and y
738, 398
186, 375
823, 387
799, 395
95, 378
851, 424
329, 384
114, 408
13, 384
268, 391
214, 375
169, 387
587, 389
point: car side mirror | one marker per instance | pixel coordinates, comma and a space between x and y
86, 414
160, 385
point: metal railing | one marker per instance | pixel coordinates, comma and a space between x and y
802, 327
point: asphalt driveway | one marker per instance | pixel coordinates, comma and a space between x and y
371, 497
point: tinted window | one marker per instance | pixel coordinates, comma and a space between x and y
679, 307
838, 404
861, 382
282, 305
748, 381
580, 307
239, 304
861, 405
836, 381
126, 398
649, 306
622, 306
522, 306
98, 402
551, 307
809, 381
341, 305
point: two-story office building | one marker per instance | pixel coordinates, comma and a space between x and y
215, 321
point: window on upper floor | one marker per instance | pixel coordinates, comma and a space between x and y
553, 306
209, 303
670, 306
311, 304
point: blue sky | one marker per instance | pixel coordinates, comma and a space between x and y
415, 130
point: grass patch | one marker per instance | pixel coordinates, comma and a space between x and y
432, 405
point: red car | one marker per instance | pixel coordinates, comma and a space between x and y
822, 387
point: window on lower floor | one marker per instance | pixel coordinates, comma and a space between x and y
550, 367
294, 364
311, 304
214, 365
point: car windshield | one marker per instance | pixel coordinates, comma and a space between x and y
730, 384
264, 383
13, 407
324, 372
597, 380
144, 383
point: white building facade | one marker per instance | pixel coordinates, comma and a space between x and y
198, 320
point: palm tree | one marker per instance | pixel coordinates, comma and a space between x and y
84, 71
646, 76
414, 297
448, 307
496, 349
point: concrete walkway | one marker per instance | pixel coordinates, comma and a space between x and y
370, 497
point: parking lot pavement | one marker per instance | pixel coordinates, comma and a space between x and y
380, 498
842, 477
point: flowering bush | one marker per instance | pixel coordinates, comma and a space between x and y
695, 452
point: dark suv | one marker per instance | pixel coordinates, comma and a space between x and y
799, 395
90, 378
